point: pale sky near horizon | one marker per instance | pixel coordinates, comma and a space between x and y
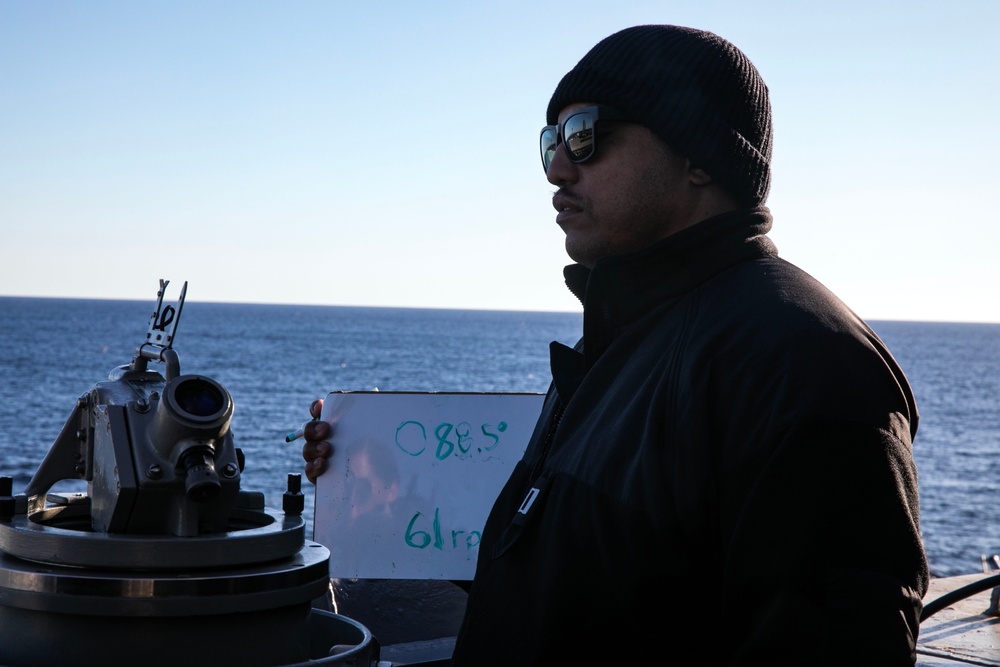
386, 153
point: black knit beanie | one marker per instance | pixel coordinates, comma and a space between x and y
695, 90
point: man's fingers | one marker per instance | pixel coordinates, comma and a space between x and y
315, 468
316, 449
316, 430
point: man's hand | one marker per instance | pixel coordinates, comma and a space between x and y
318, 448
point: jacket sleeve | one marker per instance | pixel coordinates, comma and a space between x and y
824, 558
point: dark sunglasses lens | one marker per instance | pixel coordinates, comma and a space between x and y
579, 135
549, 143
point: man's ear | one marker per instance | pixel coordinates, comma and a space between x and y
698, 175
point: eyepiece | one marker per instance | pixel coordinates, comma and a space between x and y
198, 397
201, 481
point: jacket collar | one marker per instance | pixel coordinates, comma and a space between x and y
619, 290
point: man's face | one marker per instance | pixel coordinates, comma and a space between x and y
633, 192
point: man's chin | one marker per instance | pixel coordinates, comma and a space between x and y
580, 253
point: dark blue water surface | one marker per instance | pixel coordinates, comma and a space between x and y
275, 359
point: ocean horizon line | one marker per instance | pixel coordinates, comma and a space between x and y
189, 301
914, 320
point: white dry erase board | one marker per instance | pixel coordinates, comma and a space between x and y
413, 477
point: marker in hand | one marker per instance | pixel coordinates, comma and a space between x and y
297, 433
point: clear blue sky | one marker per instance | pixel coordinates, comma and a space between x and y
385, 153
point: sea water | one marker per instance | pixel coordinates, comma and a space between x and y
276, 359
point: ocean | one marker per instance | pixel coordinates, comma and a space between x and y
275, 359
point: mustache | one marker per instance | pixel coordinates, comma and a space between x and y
566, 195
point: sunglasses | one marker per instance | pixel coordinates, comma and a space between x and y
577, 132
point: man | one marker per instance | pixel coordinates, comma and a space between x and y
722, 471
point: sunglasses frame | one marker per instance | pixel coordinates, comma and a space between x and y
596, 112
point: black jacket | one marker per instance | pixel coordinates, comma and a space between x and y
721, 475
